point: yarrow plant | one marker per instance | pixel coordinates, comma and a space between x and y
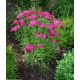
40, 33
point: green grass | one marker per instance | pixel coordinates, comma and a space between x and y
10, 63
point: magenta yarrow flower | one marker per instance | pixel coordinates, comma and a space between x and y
37, 34
15, 28
52, 33
43, 36
32, 17
26, 13
51, 26
45, 15
40, 45
22, 23
33, 23
29, 48
58, 23
15, 22
29, 12
42, 25
19, 16
48, 17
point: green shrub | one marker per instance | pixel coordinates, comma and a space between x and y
63, 8
26, 36
65, 68
67, 38
10, 63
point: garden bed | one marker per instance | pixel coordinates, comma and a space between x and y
39, 44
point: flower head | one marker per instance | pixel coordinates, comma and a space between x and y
57, 23
40, 45
37, 34
28, 12
14, 29
32, 17
22, 23
19, 16
33, 23
46, 15
15, 22
52, 33
52, 26
42, 25
43, 36
29, 48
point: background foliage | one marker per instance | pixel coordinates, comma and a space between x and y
63, 8
65, 67
10, 63
67, 38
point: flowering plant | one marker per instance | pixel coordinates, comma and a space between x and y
40, 36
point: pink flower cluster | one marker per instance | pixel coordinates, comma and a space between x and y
33, 23
25, 13
14, 29
18, 24
46, 15
29, 48
32, 17
42, 25
39, 35
52, 33
52, 27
